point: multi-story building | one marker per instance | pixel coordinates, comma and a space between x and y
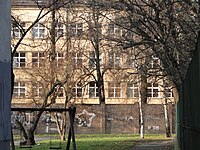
62, 48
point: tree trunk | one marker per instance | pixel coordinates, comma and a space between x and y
141, 120
31, 138
167, 122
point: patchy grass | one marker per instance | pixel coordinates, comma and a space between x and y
101, 141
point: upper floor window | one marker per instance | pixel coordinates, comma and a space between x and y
132, 90
59, 59
38, 30
77, 59
93, 89
154, 63
114, 29
93, 60
78, 90
76, 29
152, 90
19, 90
37, 89
19, 60
38, 59
17, 29
59, 30
114, 89
114, 59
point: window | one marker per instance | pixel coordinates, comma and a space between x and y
37, 90
153, 90
19, 60
38, 59
113, 29
114, 59
131, 62
93, 89
77, 59
38, 30
114, 89
93, 59
76, 29
168, 91
19, 90
17, 29
59, 30
154, 63
132, 90
77, 90
60, 91
59, 59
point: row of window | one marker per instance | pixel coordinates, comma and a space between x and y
114, 90
75, 29
39, 60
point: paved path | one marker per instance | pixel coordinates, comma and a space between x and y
156, 145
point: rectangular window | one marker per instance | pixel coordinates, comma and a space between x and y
37, 90
114, 89
59, 59
19, 90
114, 30
132, 90
76, 29
93, 60
38, 30
60, 91
114, 59
19, 60
17, 29
38, 59
77, 59
153, 90
93, 89
77, 90
59, 30
154, 63
168, 90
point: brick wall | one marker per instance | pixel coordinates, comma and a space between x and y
121, 119
115, 119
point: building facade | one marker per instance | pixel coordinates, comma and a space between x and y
62, 48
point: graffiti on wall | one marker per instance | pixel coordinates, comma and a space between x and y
84, 118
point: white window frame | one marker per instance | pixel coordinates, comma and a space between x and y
93, 90
60, 91
76, 29
114, 29
114, 59
132, 90
40, 58
59, 59
93, 58
59, 30
77, 89
77, 59
152, 90
17, 29
113, 90
38, 31
19, 90
37, 90
19, 61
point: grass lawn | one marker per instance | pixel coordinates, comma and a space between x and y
100, 142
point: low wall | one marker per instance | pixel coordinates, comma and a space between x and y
108, 119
